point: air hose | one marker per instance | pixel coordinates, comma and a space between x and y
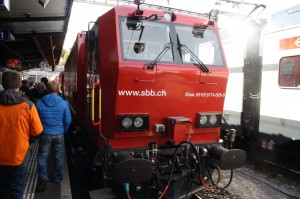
172, 170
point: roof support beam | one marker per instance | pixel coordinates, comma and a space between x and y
29, 19
6, 47
40, 34
38, 45
52, 50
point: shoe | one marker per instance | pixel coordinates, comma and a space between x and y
41, 185
56, 181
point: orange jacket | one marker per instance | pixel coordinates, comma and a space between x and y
19, 120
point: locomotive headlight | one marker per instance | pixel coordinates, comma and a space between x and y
127, 122
208, 120
213, 119
203, 119
138, 122
133, 122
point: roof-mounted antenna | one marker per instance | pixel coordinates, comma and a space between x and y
138, 2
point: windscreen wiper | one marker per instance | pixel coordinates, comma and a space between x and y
159, 56
196, 61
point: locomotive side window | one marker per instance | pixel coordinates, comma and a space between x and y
289, 72
154, 35
206, 47
92, 49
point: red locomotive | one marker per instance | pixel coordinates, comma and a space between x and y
148, 86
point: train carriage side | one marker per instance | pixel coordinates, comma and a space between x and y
263, 106
280, 90
74, 84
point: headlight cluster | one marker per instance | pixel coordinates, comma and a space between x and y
133, 122
207, 120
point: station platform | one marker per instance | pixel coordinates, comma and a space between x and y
54, 190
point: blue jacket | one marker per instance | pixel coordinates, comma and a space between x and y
55, 114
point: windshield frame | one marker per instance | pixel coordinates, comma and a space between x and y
173, 55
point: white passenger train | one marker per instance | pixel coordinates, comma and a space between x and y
263, 92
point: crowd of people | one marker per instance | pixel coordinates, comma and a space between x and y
28, 112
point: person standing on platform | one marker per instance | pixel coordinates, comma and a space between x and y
44, 80
1, 87
25, 88
39, 91
19, 120
56, 118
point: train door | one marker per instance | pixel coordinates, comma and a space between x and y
92, 84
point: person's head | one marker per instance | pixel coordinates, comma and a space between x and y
25, 82
44, 80
53, 87
40, 88
11, 80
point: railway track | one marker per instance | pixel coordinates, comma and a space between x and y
257, 182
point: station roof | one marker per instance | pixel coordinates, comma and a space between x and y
32, 32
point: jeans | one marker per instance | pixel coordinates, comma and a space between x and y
46, 144
13, 181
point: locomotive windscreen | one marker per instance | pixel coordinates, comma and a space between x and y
206, 48
155, 35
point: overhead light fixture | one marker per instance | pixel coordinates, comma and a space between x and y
44, 2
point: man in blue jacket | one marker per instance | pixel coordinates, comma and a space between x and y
56, 118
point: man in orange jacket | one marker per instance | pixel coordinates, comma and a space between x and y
19, 120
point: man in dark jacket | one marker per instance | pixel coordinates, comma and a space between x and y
39, 91
19, 120
56, 118
25, 88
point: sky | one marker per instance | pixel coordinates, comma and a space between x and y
83, 13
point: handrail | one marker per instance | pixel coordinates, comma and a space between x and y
93, 103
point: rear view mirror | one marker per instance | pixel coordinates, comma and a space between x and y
198, 31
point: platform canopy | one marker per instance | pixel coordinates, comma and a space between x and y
32, 32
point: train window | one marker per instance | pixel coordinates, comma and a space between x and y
206, 48
289, 72
154, 35
92, 48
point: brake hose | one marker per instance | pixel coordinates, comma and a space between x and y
172, 170
214, 185
200, 171
128, 196
230, 179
